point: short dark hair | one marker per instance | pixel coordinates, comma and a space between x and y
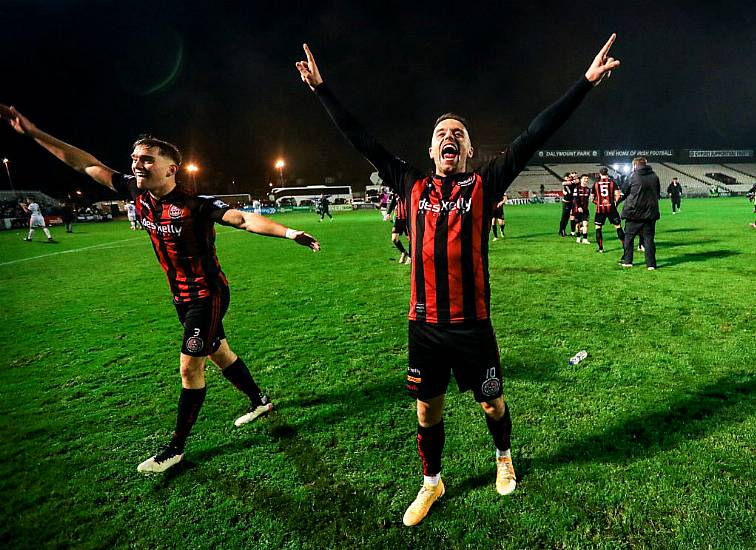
166, 149
585, 176
603, 170
674, 178
567, 174
453, 116
640, 161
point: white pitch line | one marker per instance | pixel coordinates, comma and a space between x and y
111, 244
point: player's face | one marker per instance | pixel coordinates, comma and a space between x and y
584, 181
152, 170
450, 147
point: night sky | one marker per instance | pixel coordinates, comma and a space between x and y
218, 79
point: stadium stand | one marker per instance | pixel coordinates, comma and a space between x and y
717, 175
692, 187
746, 175
530, 180
592, 169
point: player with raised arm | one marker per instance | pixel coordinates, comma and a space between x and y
36, 219
181, 228
568, 189
449, 217
605, 194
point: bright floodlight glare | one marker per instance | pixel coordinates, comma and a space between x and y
5, 161
192, 168
280, 164
615, 166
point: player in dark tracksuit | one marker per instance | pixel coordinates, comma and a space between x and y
398, 206
568, 188
674, 190
449, 217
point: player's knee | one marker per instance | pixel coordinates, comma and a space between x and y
394, 237
494, 409
192, 368
430, 413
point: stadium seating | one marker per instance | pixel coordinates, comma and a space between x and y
699, 171
744, 170
530, 181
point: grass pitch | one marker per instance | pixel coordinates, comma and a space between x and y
648, 443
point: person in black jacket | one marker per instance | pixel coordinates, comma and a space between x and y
641, 212
674, 190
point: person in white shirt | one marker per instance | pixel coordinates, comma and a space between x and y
36, 219
131, 213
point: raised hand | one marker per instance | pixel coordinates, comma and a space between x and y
308, 70
18, 122
602, 65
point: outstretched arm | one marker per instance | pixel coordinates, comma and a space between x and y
74, 157
387, 164
254, 223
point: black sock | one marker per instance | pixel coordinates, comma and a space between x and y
572, 226
600, 238
189, 405
400, 247
501, 430
238, 374
621, 234
495, 230
430, 444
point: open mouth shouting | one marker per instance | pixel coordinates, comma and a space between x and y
449, 152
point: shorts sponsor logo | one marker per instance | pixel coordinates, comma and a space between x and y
420, 308
194, 344
174, 211
414, 379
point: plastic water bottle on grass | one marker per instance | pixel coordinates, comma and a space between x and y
579, 356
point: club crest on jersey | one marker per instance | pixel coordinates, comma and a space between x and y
174, 211
194, 344
466, 182
490, 387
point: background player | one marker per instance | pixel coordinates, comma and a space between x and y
324, 207
580, 210
449, 215
606, 194
181, 229
498, 218
674, 191
398, 205
131, 214
36, 219
568, 188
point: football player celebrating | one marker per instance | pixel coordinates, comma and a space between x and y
36, 219
449, 215
605, 194
580, 209
180, 227
568, 188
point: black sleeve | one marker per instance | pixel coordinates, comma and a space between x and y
210, 208
392, 170
501, 171
124, 185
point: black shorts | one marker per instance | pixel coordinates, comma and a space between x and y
203, 324
613, 215
581, 216
567, 209
400, 226
498, 213
468, 349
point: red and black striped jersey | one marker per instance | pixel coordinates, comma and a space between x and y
449, 218
181, 229
580, 198
604, 195
397, 205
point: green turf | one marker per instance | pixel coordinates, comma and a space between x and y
649, 443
